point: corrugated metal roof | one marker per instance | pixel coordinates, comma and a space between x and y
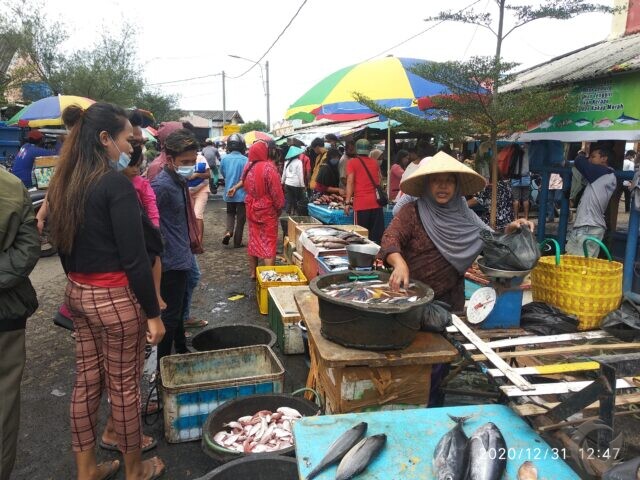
602, 59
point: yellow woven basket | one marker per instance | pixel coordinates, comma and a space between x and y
588, 288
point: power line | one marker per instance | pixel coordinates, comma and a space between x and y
431, 27
184, 79
273, 44
475, 31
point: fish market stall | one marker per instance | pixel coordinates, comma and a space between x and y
352, 379
412, 437
335, 216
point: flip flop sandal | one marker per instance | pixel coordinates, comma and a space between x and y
114, 446
113, 471
158, 470
195, 323
225, 240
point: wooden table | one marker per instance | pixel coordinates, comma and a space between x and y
354, 380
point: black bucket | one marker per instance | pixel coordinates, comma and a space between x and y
302, 208
250, 405
268, 467
368, 327
232, 336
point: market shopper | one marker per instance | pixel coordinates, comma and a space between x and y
97, 226
181, 240
317, 146
199, 191
504, 204
26, 156
628, 165
328, 180
264, 202
590, 217
436, 238
363, 174
166, 129
18, 256
293, 179
231, 168
211, 153
349, 153
400, 162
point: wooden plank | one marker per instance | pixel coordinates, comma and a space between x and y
593, 349
550, 369
492, 333
556, 388
508, 371
530, 409
283, 297
541, 339
426, 349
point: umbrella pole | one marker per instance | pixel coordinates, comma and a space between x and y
389, 158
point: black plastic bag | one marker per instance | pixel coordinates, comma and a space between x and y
510, 251
623, 323
436, 317
544, 319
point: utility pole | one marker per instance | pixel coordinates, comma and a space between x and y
266, 67
224, 103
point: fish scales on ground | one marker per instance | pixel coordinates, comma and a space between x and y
339, 448
451, 456
527, 471
359, 457
265, 431
372, 292
487, 453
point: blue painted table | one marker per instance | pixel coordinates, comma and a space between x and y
412, 436
337, 217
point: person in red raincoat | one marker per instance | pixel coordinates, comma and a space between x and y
264, 202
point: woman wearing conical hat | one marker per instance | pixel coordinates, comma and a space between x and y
436, 238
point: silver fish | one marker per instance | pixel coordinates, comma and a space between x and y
357, 459
583, 122
450, 457
487, 453
339, 448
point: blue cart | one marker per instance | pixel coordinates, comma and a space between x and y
413, 434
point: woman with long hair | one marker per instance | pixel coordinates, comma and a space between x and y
96, 224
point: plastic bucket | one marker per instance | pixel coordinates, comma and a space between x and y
267, 467
232, 336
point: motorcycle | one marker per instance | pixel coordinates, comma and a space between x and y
47, 249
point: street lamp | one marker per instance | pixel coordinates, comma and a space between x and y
265, 83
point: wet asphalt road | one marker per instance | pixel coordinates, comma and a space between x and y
44, 449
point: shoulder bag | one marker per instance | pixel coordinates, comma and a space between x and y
381, 195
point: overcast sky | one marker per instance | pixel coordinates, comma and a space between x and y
193, 38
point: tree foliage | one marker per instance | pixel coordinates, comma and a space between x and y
257, 125
163, 106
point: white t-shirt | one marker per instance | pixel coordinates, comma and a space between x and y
293, 173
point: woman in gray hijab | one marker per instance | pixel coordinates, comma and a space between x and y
436, 238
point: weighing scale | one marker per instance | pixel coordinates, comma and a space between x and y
499, 305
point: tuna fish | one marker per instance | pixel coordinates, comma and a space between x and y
357, 459
339, 448
451, 456
527, 471
487, 453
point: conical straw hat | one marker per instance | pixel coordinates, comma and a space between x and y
469, 181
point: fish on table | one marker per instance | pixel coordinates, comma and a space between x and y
487, 453
527, 471
451, 456
339, 448
359, 457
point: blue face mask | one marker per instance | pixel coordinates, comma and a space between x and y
123, 160
334, 161
185, 172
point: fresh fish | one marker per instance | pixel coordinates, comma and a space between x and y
626, 120
604, 123
583, 122
487, 453
527, 471
450, 458
339, 448
357, 459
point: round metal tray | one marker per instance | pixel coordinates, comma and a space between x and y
495, 273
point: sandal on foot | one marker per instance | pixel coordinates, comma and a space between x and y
158, 468
225, 240
194, 323
114, 446
114, 466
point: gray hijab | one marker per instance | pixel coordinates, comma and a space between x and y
454, 229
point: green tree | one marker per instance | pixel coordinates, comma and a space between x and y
475, 105
164, 107
257, 125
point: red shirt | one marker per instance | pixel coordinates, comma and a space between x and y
364, 193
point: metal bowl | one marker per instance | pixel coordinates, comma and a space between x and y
362, 255
495, 273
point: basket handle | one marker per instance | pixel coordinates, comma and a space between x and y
595, 240
557, 247
317, 397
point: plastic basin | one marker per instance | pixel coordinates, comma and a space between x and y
232, 336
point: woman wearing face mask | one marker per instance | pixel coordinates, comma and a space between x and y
181, 240
96, 224
328, 180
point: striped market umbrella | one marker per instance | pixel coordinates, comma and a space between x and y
47, 111
251, 137
388, 81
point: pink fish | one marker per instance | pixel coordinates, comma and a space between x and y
604, 123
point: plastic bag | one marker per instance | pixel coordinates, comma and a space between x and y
516, 251
436, 317
544, 319
623, 323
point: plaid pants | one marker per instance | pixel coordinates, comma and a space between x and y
110, 340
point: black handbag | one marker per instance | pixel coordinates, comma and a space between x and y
381, 195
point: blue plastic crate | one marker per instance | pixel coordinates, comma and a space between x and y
193, 385
10, 134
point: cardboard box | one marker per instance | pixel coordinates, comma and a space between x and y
295, 221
